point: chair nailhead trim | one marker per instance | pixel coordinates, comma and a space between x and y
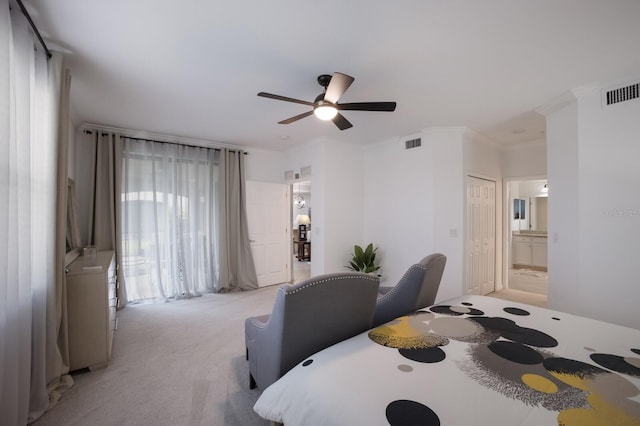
395, 287
328, 279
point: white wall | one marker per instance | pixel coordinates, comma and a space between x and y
264, 166
343, 201
563, 231
83, 161
448, 176
525, 160
398, 204
413, 204
594, 214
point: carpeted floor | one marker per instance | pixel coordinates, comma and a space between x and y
176, 363
531, 273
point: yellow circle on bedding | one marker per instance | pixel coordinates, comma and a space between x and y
539, 383
408, 332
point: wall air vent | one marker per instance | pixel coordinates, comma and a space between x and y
305, 172
621, 94
413, 143
288, 175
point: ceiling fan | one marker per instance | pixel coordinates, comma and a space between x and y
326, 105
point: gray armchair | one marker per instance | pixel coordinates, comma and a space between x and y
417, 289
306, 318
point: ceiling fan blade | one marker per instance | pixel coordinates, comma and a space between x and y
296, 118
368, 106
284, 98
337, 86
341, 122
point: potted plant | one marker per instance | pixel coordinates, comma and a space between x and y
364, 260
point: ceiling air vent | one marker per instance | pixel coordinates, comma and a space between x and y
622, 94
413, 143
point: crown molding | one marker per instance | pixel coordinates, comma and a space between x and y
557, 103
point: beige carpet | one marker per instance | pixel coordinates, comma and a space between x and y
176, 363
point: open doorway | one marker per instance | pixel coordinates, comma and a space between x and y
527, 236
301, 230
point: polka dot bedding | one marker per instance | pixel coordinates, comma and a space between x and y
471, 360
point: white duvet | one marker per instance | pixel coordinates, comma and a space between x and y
468, 361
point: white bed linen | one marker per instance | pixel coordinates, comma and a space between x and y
361, 382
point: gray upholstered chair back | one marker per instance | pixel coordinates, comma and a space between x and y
306, 318
415, 290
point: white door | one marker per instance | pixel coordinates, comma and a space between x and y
268, 216
481, 236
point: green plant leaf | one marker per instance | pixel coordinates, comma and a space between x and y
363, 260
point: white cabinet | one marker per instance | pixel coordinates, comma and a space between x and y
91, 308
522, 251
539, 251
530, 251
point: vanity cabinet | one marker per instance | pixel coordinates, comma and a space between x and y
539, 252
91, 310
530, 251
522, 250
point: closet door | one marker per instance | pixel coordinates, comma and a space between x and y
481, 236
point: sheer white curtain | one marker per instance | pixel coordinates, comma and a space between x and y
170, 220
30, 358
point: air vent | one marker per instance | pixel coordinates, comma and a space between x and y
305, 172
288, 175
622, 94
413, 143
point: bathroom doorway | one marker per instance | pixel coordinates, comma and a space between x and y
527, 236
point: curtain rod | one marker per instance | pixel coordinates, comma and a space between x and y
89, 132
33, 26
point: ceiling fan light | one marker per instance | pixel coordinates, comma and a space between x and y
325, 112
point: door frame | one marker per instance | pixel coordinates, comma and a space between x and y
507, 248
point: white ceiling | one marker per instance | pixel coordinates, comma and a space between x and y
193, 68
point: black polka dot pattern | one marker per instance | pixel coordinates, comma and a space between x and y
531, 337
429, 355
456, 311
516, 352
616, 363
410, 413
572, 367
444, 309
516, 311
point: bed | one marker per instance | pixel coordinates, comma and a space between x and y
472, 360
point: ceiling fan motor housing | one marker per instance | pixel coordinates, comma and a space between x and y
324, 80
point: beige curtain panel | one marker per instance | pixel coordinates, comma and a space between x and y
105, 208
